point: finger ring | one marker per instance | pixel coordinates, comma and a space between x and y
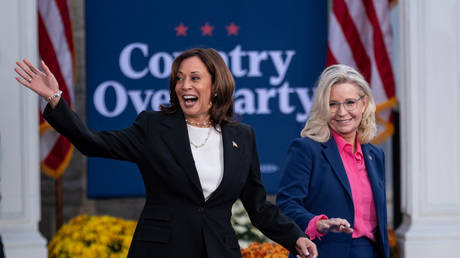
30, 80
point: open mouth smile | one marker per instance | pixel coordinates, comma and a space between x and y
190, 100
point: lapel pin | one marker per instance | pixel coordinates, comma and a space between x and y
234, 144
370, 157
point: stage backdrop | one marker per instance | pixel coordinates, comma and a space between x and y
275, 50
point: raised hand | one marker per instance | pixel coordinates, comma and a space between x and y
334, 225
43, 83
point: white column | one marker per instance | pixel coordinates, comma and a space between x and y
430, 128
19, 162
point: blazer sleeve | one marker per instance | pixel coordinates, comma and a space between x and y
264, 215
294, 185
122, 145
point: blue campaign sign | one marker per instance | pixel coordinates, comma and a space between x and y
275, 50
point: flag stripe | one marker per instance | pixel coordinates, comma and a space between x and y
57, 172
47, 141
351, 33
330, 59
64, 11
364, 27
378, 89
53, 23
47, 53
359, 17
383, 16
60, 150
381, 56
360, 36
56, 48
339, 48
41, 119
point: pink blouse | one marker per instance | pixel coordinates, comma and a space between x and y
365, 216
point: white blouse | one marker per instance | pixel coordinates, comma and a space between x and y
208, 154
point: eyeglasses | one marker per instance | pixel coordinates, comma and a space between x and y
349, 105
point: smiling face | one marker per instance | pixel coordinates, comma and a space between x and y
193, 89
346, 122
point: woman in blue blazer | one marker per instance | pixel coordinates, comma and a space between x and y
194, 159
334, 180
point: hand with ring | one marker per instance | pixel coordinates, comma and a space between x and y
43, 83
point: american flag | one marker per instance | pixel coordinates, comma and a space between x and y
56, 48
360, 36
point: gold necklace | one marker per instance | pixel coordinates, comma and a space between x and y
204, 142
199, 124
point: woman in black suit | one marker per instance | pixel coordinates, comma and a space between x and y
195, 160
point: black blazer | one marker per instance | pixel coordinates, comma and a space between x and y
176, 219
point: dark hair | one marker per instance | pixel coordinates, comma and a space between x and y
222, 86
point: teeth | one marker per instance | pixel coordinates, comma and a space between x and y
190, 97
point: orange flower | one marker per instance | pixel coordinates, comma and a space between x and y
264, 250
391, 238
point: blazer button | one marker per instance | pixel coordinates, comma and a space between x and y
201, 209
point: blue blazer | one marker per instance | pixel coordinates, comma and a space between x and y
315, 183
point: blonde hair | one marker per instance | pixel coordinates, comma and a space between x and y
317, 127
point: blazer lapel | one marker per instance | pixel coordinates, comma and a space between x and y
377, 188
231, 147
331, 152
177, 139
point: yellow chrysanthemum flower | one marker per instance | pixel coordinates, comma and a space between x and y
93, 236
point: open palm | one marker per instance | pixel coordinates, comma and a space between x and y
43, 83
